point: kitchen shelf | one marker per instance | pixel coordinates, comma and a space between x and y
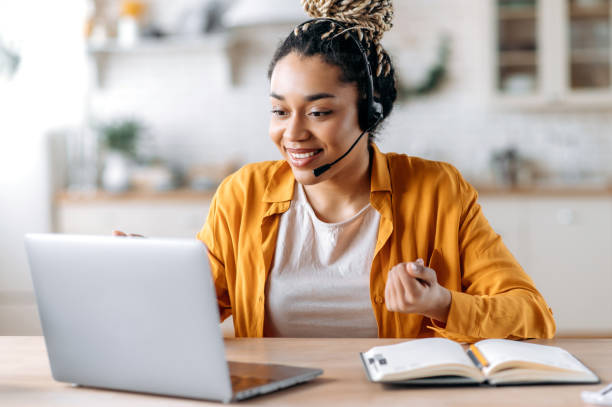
563, 44
590, 56
162, 45
517, 13
102, 54
584, 12
517, 58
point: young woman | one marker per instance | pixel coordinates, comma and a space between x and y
376, 245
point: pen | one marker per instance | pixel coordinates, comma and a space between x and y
481, 359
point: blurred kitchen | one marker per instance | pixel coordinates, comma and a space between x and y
126, 114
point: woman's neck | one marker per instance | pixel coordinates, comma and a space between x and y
342, 196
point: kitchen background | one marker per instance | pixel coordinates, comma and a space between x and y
118, 114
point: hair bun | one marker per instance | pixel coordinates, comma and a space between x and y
374, 17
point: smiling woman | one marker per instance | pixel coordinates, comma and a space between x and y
339, 239
314, 121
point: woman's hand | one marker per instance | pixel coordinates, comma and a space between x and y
120, 233
413, 288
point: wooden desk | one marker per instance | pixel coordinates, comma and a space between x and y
25, 378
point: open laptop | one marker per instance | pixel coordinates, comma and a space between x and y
140, 315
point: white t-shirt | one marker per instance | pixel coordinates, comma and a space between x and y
319, 285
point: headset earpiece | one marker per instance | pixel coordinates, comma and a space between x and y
369, 115
376, 114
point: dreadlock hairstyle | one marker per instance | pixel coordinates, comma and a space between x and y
367, 20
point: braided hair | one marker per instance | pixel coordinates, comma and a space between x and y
368, 20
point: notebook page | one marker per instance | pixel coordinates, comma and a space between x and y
498, 351
419, 353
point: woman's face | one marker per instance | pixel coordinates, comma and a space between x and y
314, 118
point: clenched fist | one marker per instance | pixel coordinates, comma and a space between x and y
413, 288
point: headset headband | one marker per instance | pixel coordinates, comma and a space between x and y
376, 111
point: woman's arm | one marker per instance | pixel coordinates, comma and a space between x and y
207, 236
498, 299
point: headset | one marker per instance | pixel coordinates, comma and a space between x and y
374, 112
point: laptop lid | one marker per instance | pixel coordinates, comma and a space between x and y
130, 314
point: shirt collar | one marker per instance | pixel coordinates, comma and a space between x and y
380, 179
281, 185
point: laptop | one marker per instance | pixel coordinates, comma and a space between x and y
140, 315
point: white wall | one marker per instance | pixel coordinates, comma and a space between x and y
197, 116
47, 92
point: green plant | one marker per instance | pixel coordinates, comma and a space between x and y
121, 135
9, 60
435, 75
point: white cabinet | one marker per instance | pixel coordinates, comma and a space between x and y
503, 213
565, 245
147, 216
170, 215
570, 259
551, 52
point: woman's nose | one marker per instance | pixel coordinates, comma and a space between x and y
296, 130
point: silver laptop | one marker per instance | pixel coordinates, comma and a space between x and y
140, 315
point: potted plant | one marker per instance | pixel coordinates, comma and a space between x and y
119, 140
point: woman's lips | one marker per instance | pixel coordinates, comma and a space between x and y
301, 157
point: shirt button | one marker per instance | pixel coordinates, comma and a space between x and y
379, 299
260, 299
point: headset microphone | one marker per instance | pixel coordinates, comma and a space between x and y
320, 170
375, 109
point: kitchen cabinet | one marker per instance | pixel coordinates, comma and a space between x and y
551, 52
564, 243
178, 214
172, 214
503, 213
570, 243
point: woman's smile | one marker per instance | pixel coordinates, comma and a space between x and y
301, 157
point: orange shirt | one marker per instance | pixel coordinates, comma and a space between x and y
427, 211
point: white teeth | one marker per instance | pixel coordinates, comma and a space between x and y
305, 155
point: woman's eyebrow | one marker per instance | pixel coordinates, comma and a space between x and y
309, 98
317, 96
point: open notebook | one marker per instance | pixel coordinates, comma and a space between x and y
491, 361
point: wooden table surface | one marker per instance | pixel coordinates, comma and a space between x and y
25, 378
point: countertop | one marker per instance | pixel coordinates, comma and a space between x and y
180, 195
190, 195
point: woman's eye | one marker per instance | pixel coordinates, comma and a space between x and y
278, 112
320, 113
